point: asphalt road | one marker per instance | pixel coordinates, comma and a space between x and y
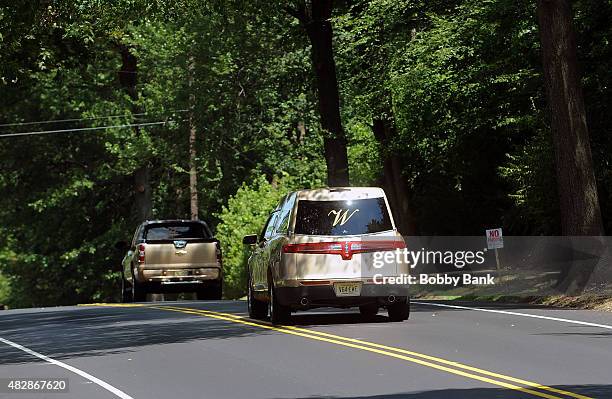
211, 350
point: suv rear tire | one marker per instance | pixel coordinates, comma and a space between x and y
139, 291
217, 291
126, 293
211, 292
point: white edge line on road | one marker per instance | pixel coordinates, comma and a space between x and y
75, 370
535, 316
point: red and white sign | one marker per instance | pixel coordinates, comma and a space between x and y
495, 238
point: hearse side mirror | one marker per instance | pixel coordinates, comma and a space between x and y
121, 245
251, 239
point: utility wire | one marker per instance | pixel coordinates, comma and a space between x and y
83, 119
238, 152
82, 129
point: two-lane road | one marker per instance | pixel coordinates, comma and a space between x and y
212, 350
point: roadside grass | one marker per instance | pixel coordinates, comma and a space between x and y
5, 291
516, 286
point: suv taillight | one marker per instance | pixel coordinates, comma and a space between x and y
218, 251
141, 253
346, 249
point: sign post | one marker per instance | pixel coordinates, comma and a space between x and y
495, 240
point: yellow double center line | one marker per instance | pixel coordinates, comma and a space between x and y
437, 363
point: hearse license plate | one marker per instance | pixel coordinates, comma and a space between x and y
347, 289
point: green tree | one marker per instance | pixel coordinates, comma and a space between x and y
246, 213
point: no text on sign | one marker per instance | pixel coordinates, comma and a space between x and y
495, 238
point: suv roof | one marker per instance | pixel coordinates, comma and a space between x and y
340, 193
172, 221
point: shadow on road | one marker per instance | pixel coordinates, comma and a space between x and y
324, 319
99, 331
581, 334
594, 391
478, 304
483, 304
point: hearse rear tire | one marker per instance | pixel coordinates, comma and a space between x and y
278, 313
399, 311
257, 309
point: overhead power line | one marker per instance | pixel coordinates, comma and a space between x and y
82, 129
83, 119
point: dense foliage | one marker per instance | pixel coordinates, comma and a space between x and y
246, 213
460, 80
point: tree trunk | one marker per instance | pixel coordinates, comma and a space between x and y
315, 17
580, 212
142, 194
143, 201
394, 184
193, 176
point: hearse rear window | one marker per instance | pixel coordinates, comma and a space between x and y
340, 218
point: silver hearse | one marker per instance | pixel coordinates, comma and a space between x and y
317, 249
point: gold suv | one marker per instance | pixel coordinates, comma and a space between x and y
317, 249
171, 256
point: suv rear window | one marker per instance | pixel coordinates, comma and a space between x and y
176, 231
339, 218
